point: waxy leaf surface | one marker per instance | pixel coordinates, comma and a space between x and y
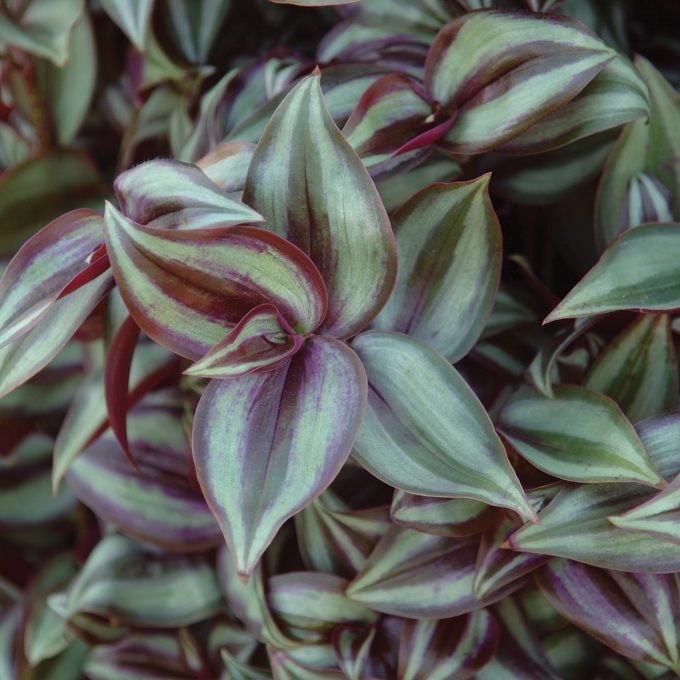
445, 301
312, 189
425, 431
637, 272
638, 615
579, 435
265, 444
506, 71
187, 289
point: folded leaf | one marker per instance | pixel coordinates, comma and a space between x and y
657, 517
266, 444
453, 649
174, 195
187, 289
455, 517
43, 266
425, 431
313, 189
445, 301
638, 272
133, 17
227, 165
506, 71
637, 615
418, 575
285, 667
639, 369
262, 340
579, 435
352, 645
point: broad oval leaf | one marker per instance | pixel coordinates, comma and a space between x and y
452, 649
42, 268
312, 189
445, 301
187, 289
262, 340
637, 272
502, 79
639, 369
174, 195
637, 615
418, 575
425, 431
227, 164
581, 436
265, 444
455, 517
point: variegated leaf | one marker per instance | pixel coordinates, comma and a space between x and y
240, 671
455, 517
639, 369
43, 267
187, 289
458, 222
313, 189
352, 645
453, 649
425, 431
226, 165
579, 435
267, 443
133, 18
174, 195
638, 272
285, 667
638, 615
505, 71
262, 340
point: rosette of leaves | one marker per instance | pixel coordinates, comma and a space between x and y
269, 406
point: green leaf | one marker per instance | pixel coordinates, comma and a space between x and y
425, 431
227, 165
455, 517
639, 369
352, 647
638, 272
43, 29
579, 435
418, 575
266, 444
506, 71
313, 189
445, 301
635, 614
133, 18
447, 650
187, 289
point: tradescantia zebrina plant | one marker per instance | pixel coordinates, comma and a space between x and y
338, 340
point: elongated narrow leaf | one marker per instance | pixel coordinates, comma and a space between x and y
505, 71
425, 431
313, 189
285, 667
239, 671
155, 503
447, 650
455, 517
418, 575
637, 272
141, 588
174, 195
639, 369
635, 614
445, 301
335, 539
579, 435
22, 358
187, 289
659, 516
267, 443
262, 340
43, 267
133, 17
314, 603
616, 95
352, 645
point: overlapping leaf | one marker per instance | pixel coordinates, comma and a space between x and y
425, 431
313, 189
187, 289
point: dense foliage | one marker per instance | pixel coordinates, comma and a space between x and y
348, 349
